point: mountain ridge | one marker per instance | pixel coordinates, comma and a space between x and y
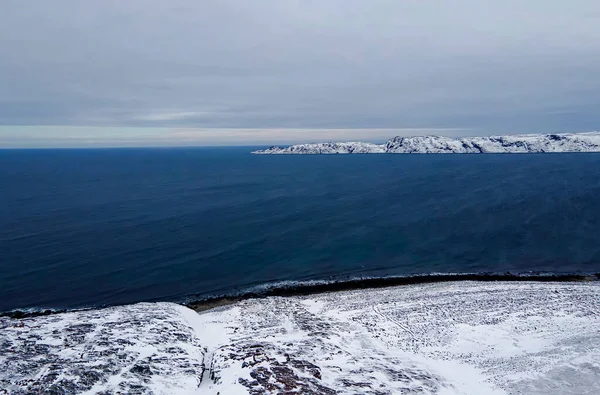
520, 143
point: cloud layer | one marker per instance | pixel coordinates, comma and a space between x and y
497, 67
100, 136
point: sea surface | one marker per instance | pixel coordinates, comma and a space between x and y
94, 227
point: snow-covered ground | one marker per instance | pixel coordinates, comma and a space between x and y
142, 348
524, 143
445, 338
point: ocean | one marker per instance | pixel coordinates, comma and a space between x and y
96, 227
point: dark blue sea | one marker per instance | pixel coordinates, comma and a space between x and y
82, 228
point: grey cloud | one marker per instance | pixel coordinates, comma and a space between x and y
509, 66
90, 136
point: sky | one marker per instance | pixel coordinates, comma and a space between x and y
220, 72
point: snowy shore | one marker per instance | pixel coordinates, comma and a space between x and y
443, 338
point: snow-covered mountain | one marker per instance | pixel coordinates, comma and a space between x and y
524, 143
354, 147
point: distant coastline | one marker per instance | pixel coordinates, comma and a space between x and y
524, 143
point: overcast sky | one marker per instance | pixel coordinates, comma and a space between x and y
288, 70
